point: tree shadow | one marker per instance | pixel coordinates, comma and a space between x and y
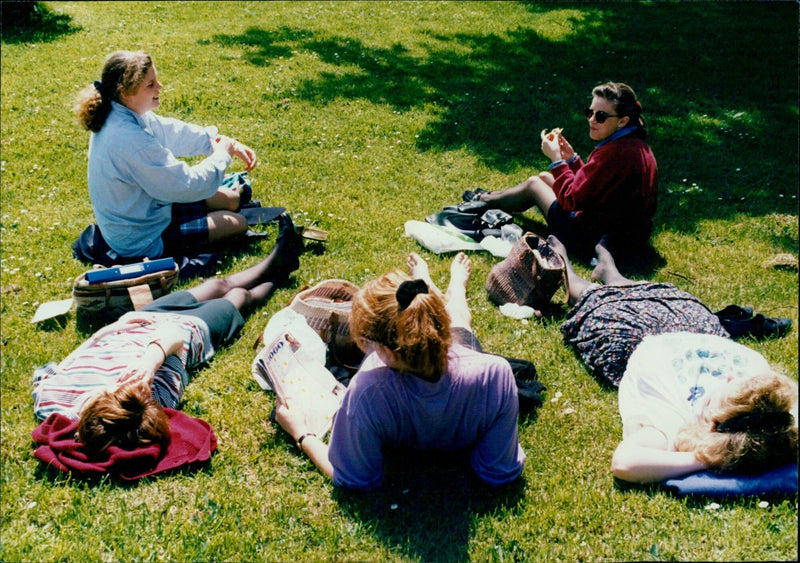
428, 507
714, 108
33, 22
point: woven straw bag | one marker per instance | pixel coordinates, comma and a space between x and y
326, 307
530, 274
119, 296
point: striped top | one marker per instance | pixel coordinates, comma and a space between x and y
98, 364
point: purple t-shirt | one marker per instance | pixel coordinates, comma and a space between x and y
473, 405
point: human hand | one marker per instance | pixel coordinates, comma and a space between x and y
142, 371
550, 144
223, 143
567, 152
245, 154
291, 419
135, 317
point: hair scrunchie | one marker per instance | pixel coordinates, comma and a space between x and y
408, 290
756, 423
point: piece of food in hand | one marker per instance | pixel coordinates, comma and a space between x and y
552, 134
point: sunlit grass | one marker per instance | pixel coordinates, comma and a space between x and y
365, 115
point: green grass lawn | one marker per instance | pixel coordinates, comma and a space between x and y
365, 115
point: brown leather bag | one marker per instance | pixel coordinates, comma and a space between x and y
530, 274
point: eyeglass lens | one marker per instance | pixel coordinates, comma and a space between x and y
599, 116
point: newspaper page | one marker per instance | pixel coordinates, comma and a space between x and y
300, 379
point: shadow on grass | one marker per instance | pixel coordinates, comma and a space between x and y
33, 22
428, 508
714, 108
54, 475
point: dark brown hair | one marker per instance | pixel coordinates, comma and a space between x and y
626, 104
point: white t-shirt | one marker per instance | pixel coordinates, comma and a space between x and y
669, 378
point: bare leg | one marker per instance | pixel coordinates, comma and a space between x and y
456, 296
534, 191
253, 286
606, 269
224, 199
577, 285
225, 224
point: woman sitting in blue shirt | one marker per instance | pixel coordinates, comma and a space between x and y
147, 202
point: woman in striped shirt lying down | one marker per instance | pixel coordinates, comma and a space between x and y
117, 382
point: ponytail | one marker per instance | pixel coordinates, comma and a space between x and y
92, 108
404, 316
123, 72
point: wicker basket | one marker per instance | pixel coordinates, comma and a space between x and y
530, 274
326, 307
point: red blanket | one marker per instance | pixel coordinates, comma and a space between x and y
191, 440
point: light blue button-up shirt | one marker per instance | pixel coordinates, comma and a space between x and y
135, 176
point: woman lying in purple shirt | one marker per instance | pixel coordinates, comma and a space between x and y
424, 385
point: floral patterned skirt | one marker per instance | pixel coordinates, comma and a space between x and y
608, 322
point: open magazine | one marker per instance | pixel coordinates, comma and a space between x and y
298, 377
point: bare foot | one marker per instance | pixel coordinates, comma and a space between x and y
460, 269
418, 269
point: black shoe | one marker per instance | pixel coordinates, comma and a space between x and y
473, 195
475, 207
287, 233
759, 327
735, 312
289, 244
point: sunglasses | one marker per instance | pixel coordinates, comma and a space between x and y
599, 116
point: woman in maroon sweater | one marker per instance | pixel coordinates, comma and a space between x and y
613, 194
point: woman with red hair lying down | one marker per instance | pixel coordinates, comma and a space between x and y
119, 381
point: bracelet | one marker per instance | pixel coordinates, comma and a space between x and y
160, 347
303, 437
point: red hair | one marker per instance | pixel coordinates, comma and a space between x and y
128, 417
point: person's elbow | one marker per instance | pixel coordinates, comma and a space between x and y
620, 465
625, 465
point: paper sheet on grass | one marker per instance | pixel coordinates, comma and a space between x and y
291, 365
52, 309
439, 239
